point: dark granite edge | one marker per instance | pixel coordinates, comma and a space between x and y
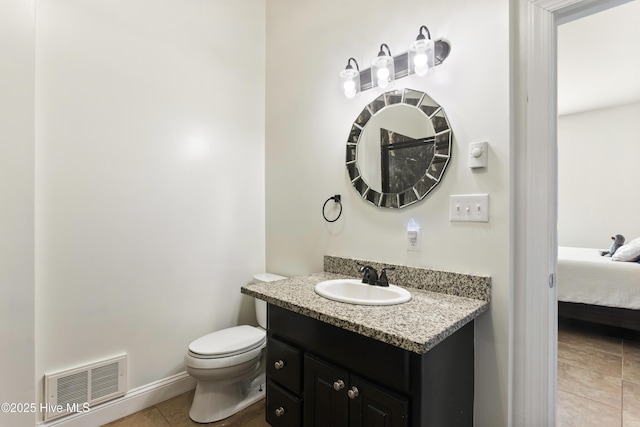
446, 282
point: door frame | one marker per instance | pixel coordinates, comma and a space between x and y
534, 193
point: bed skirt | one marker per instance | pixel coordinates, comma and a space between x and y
612, 316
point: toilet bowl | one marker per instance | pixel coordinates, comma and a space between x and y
229, 366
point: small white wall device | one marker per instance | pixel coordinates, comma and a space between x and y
478, 155
414, 242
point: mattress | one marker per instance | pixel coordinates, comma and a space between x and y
586, 277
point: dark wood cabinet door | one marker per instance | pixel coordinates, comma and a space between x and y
325, 394
372, 406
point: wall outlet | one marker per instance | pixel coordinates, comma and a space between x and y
414, 240
469, 208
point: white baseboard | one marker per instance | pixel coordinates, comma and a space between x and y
135, 400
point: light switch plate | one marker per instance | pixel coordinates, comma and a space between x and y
469, 208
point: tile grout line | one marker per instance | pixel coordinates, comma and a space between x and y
622, 369
589, 399
622, 383
162, 413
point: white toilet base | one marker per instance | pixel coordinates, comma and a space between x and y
214, 401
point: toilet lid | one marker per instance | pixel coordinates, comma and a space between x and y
228, 342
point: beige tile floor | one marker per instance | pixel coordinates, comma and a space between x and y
175, 413
598, 385
598, 377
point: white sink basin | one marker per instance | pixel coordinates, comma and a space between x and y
353, 291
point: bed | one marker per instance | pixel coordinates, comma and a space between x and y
597, 289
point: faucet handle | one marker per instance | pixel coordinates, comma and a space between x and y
362, 267
382, 280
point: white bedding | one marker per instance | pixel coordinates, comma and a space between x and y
586, 277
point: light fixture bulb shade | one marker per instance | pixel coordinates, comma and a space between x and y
350, 82
421, 57
382, 71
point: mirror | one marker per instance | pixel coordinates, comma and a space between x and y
398, 148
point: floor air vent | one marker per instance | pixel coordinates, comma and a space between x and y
78, 389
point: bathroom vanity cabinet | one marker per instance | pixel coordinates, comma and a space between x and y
320, 375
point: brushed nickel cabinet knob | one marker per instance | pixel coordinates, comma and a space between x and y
353, 392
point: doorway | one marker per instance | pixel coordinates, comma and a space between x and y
598, 110
534, 213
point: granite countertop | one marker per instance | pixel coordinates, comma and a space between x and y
418, 325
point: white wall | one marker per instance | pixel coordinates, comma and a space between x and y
308, 44
17, 49
598, 176
140, 231
149, 177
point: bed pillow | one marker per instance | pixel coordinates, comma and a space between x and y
628, 252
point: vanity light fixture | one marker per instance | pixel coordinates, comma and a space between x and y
423, 55
420, 54
350, 80
383, 68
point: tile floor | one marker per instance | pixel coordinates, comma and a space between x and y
175, 413
598, 377
598, 385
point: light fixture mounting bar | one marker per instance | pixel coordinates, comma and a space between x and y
401, 64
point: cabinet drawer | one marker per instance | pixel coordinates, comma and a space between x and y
284, 365
283, 409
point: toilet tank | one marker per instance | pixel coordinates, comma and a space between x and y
261, 306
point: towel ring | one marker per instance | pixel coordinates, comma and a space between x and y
336, 199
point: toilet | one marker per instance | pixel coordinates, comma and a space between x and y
229, 366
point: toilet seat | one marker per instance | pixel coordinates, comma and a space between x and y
234, 347
228, 342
